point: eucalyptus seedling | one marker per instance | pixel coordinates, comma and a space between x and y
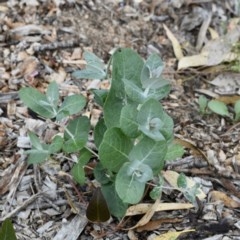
134, 138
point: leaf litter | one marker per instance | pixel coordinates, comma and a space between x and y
45, 47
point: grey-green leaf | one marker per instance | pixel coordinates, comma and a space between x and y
150, 152
135, 93
37, 156
35, 141
76, 134
116, 206
174, 151
95, 68
139, 171
71, 105
56, 144
129, 189
126, 64
182, 181
53, 94
114, 149
152, 68
128, 121
37, 102
77, 171
151, 110
100, 96
218, 107
99, 131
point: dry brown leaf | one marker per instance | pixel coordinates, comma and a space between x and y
220, 196
214, 52
148, 215
195, 151
172, 235
229, 99
144, 207
176, 45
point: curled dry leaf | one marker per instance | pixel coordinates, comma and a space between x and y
144, 207
214, 52
146, 218
220, 196
176, 45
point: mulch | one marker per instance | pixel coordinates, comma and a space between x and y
42, 41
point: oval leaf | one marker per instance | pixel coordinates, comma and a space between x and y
218, 107
97, 210
71, 105
129, 189
114, 149
37, 102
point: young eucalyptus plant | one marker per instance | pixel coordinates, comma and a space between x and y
134, 137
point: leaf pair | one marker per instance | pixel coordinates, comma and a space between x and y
46, 105
75, 138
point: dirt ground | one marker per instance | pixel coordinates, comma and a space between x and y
42, 41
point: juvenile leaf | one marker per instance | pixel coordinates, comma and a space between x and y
149, 119
95, 68
150, 152
129, 189
159, 90
156, 192
112, 109
53, 94
139, 171
126, 64
77, 171
100, 96
152, 68
182, 181
128, 121
114, 149
7, 231
134, 93
218, 107
159, 93
155, 83
100, 174
56, 144
76, 134
167, 129
174, 151
99, 131
37, 156
37, 102
202, 102
116, 206
35, 141
71, 105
